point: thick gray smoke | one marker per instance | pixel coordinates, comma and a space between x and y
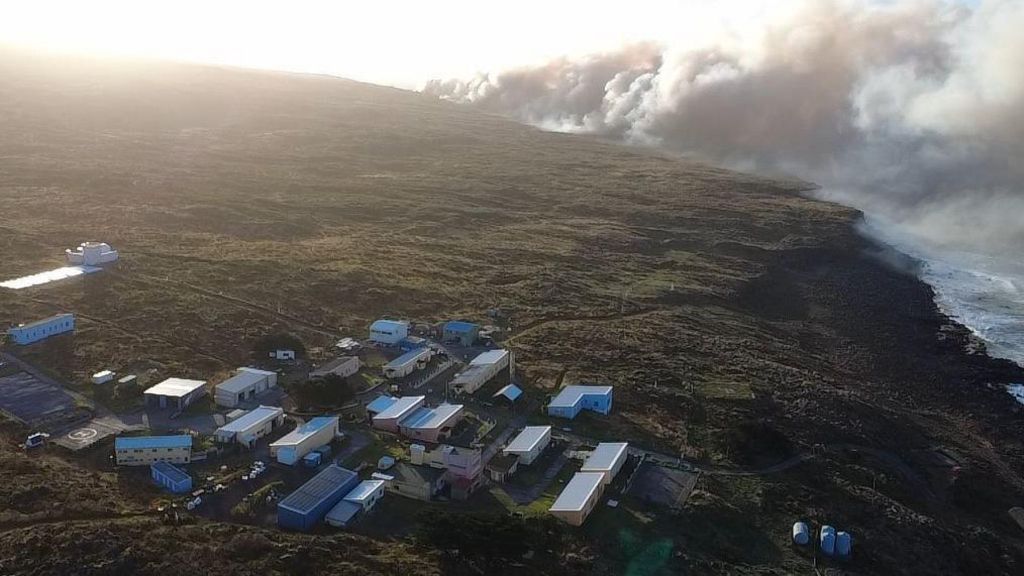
912, 110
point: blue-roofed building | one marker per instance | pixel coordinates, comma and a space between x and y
145, 450
510, 392
304, 439
389, 332
572, 399
432, 424
406, 363
306, 507
170, 477
400, 408
412, 343
463, 333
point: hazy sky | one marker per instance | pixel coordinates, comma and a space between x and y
395, 42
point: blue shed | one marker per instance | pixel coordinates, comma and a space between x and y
170, 477
465, 333
308, 505
572, 399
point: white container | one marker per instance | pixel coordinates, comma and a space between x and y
801, 534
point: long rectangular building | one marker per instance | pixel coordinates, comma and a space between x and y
251, 426
398, 409
170, 477
42, 329
246, 384
407, 363
529, 443
606, 459
304, 439
303, 509
579, 498
481, 369
432, 424
145, 450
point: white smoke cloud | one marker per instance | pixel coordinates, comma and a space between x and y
911, 109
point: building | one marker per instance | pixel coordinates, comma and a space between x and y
529, 443
170, 477
510, 393
463, 333
389, 332
458, 461
412, 343
481, 369
282, 354
306, 507
127, 381
419, 482
251, 426
304, 439
144, 450
175, 393
400, 408
407, 363
579, 497
572, 399
91, 254
41, 329
246, 384
343, 366
378, 405
431, 424
102, 377
607, 459
358, 501
502, 466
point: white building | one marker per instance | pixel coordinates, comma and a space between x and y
42, 329
283, 354
579, 498
388, 332
607, 459
432, 424
407, 363
246, 384
395, 411
529, 443
175, 393
102, 377
357, 502
481, 369
91, 254
304, 439
343, 366
145, 450
250, 427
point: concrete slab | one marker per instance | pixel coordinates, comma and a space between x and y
32, 400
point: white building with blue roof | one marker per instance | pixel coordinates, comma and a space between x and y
432, 424
145, 450
388, 418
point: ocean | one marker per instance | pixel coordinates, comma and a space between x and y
983, 292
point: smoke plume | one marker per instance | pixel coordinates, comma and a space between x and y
912, 110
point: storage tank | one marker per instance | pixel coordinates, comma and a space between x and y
844, 544
416, 452
828, 540
801, 534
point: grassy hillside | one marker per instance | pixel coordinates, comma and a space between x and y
741, 322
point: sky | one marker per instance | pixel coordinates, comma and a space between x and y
395, 42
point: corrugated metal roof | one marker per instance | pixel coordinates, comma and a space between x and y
528, 438
388, 324
254, 417
408, 358
306, 430
176, 387
604, 456
577, 492
401, 407
244, 379
460, 326
134, 442
489, 357
381, 403
317, 489
172, 472
512, 392
343, 513
364, 490
430, 418
570, 395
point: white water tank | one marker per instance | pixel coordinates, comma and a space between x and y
828, 540
844, 544
801, 534
416, 452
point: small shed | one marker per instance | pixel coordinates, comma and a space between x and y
502, 466
102, 377
510, 392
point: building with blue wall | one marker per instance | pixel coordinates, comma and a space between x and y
572, 399
388, 332
170, 477
307, 506
42, 329
464, 333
